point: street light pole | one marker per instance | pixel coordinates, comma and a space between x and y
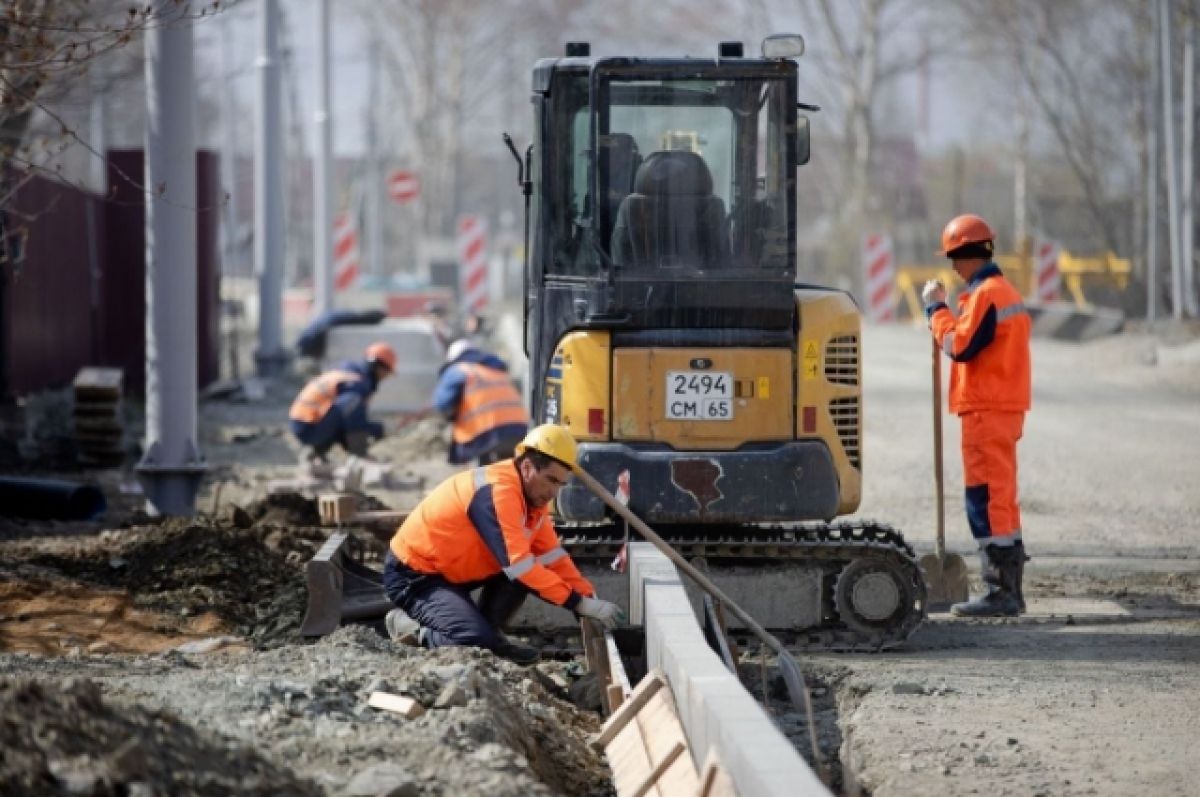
322, 162
268, 196
171, 468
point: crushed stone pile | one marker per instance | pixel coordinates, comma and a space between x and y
489, 726
69, 740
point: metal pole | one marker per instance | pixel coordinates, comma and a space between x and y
171, 468
1020, 172
1168, 103
268, 196
1152, 184
228, 147
322, 162
98, 139
1187, 173
374, 175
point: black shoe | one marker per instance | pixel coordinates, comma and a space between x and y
1019, 589
993, 603
1000, 581
515, 652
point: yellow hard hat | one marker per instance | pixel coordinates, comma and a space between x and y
553, 441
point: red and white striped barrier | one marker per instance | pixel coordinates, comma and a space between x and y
621, 561
1045, 269
879, 276
345, 251
472, 263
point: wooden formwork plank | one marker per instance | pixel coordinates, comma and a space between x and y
645, 690
646, 746
616, 667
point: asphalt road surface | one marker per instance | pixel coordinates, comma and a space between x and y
1096, 691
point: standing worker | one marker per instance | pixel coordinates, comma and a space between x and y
332, 408
988, 344
488, 527
476, 394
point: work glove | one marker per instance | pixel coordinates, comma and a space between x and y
933, 292
607, 613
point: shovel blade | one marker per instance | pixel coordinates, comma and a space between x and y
946, 578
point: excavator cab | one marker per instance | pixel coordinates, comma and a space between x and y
663, 323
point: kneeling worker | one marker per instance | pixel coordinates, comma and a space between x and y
488, 527
332, 408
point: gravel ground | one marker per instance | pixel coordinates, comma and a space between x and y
1094, 692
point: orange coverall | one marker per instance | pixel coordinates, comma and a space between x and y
988, 344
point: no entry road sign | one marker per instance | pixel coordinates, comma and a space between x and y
403, 186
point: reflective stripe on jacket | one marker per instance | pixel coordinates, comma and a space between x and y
476, 524
988, 344
315, 399
489, 400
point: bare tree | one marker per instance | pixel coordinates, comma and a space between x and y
1085, 68
47, 48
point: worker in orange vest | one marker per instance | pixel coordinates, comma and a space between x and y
332, 408
475, 393
488, 528
988, 345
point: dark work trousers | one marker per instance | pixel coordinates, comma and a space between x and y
447, 610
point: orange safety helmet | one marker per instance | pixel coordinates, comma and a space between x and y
383, 354
965, 230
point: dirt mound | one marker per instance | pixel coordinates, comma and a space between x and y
250, 578
67, 740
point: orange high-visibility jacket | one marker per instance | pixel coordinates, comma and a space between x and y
988, 344
476, 524
319, 394
489, 401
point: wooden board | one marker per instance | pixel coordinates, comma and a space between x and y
397, 704
646, 746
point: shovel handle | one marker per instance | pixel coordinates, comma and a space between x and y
937, 451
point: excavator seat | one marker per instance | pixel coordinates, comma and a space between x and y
672, 219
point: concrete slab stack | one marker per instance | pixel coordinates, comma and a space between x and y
99, 432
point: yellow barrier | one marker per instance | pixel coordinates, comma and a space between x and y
1107, 270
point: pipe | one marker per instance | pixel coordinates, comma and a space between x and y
48, 499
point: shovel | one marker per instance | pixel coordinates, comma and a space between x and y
945, 574
788, 667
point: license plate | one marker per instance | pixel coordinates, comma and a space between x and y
699, 396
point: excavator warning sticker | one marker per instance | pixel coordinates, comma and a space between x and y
699, 396
811, 363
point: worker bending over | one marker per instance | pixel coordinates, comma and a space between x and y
476, 394
332, 408
988, 344
488, 528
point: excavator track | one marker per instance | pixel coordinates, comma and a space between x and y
872, 593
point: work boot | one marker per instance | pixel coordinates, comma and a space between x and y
1022, 558
313, 465
402, 628
516, 652
999, 581
357, 443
